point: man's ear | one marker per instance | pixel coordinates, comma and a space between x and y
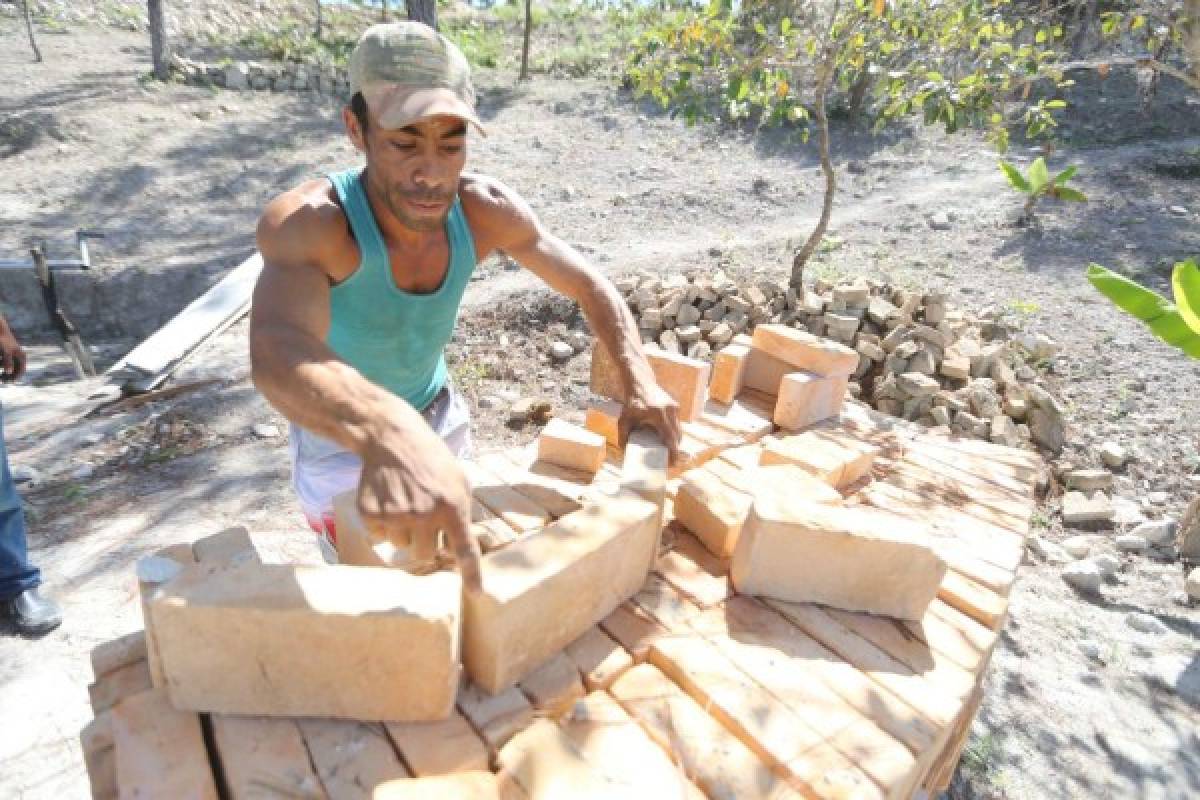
354, 130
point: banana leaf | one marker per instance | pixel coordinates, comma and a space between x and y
1185, 282
1157, 312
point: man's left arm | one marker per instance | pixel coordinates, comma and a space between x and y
520, 234
12, 356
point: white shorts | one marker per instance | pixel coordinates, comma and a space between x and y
322, 469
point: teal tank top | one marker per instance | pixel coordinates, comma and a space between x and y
395, 338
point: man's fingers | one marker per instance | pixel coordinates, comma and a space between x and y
6, 359
18, 364
466, 549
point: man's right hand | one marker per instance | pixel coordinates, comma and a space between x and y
12, 355
411, 488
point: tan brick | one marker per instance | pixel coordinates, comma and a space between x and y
708, 754
115, 686
693, 570
96, 742
548, 767
354, 544
667, 605
571, 446
497, 717
614, 743
553, 687
228, 637
478, 785
644, 468
226, 546
259, 751
769, 728
745, 419
440, 747
351, 758
580, 568
493, 534
856, 558
154, 572
804, 351
711, 510
685, 379
521, 513
116, 653
598, 658
763, 372
837, 460
633, 628
806, 398
603, 418
745, 457
160, 750
557, 497
729, 364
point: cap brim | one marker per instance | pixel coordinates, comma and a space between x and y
397, 106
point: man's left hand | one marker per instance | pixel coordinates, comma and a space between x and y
12, 355
653, 408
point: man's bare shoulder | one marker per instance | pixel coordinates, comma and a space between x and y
304, 225
494, 208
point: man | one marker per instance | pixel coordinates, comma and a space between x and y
22, 606
362, 279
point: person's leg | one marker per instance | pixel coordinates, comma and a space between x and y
17, 575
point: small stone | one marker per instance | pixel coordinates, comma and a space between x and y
870, 351
93, 439
1078, 546
1047, 429
1127, 512
561, 351
939, 220
1107, 563
688, 315
83, 472
1086, 507
924, 363
1047, 550
1083, 575
579, 341
489, 401
1192, 583
941, 415
688, 334
1179, 211
23, 473
1131, 543
1144, 623
1157, 533
1091, 649
914, 384
266, 430
720, 335
1088, 479
956, 366
669, 341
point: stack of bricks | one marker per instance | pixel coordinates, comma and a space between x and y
803, 606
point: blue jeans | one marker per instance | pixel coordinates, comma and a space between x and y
16, 573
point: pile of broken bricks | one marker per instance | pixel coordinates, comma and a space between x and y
804, 605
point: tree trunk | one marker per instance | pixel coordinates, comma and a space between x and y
1085, 27
524, 74
37, 54
858, 94
423, 11
317, 33
818, 233
1191, 36
383, 11
160, 48
1189, 532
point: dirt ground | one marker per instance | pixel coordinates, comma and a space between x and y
175, 176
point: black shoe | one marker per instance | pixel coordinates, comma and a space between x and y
33, 614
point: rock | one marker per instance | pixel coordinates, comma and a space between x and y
579, 341
688, 315
1088, 479
1086, 507
237, 76
923, 362
1078, 546
941, 415
1047, 550
489, 401
1091, 649
984, 402
669, 341
1107, 563
1179, 211
83, 472
1047, 429
906, 349
1175, 672
1044, 400
1083, 575
529, 408
688, 334
854, 296
1131, 543
23, 473
266, 430
1127, 512
841, 326
93, 439
914, 384
1144, 623
560, 350
1192, 583
956, 366
870, 351
1157, 533
880, 310
720, 335
1004, 432
651, 320
938, 220
1014, 404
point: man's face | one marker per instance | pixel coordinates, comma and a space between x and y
415, 169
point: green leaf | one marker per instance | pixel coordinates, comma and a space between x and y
1159, 314
1185, 283
785, 25
1015, 177
1038, 175
1056, 104
1067, 193
1066, 174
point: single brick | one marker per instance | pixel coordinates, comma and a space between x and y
554, 686
351, 758
763, 372
571, 446
96, 742
116, 653
228, 637
729, 366
498, 717
614, 743
804, 351
477, 785
603, 418
685, 379
115, 686
226, 546
544, 590
160, 750
633, 628
548, 766
806, 398
598, 658
740, 417
836, 459
521, 513
153, 572
262, 751
440, 747
558, 497
855, 558
711, 510
354, 544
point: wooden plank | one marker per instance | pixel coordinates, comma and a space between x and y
264, 757
712, 757
439, 748
159, 750
351, 758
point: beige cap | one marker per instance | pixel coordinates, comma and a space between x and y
407, 71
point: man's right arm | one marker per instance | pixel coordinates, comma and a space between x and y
411, 485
